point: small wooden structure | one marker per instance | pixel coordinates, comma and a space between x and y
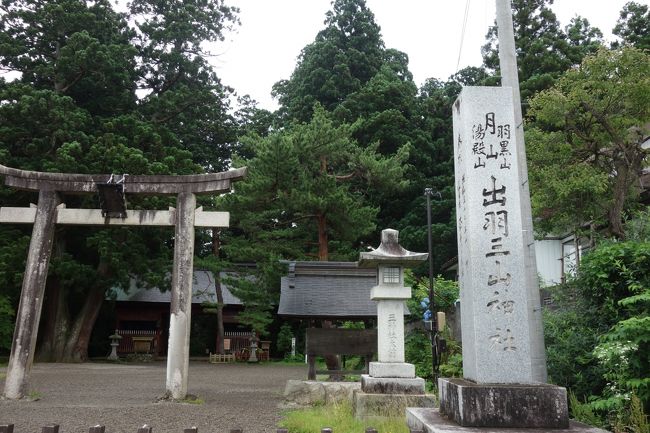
327, 341
217, 358
142, 344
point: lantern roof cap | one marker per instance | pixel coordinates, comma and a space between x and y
390, 252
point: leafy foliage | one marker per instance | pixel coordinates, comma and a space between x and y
345, 55
544, 50
6, 323
606, 307
75, 109
418, 341
306, 187
283, 340
632, 25
594, 121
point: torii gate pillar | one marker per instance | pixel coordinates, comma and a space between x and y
31, 296
181, 304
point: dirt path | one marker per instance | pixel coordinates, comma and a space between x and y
122, 397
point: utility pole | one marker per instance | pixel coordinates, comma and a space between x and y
510, 78
435, 355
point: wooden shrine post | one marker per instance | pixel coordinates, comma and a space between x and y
48, 213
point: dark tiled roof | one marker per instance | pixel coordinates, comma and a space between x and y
327, 290
203, 290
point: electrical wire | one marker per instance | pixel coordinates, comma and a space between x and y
462, 35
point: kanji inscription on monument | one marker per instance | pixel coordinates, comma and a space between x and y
498, 324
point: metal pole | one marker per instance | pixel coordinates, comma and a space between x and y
428, 192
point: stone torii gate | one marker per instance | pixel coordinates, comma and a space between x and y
50, 211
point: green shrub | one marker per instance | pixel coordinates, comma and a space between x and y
283, 340
583, 412
417, 348
598, 342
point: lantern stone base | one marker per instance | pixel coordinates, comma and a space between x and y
391, 369
392, 385
470, 404
374, 406
429, 420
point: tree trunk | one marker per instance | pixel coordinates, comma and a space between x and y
56, 323
615, 212
56, 317
216, 244
323, 250
76, 349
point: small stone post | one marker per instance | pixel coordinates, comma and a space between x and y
31, 296
178, 352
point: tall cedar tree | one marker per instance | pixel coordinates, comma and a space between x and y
348, 70
544, 50
75, 109
343, 57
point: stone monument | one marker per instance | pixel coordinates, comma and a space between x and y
391, 384
504, 366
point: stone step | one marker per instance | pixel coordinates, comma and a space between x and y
429, 420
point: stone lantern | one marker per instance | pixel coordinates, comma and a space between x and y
391, 382
115, 342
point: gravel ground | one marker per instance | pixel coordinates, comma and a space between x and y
123, 397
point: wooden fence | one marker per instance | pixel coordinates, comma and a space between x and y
54, 428
126, 343
239, 340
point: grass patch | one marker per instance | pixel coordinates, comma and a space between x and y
34, 395
192, 399
339, 418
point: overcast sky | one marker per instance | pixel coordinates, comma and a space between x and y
264, 48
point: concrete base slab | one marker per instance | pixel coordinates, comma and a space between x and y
392, 369
310, 392
510, 405
373, 406
429, 420
391, 385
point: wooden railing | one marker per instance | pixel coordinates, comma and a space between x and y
126, 343
239, 340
